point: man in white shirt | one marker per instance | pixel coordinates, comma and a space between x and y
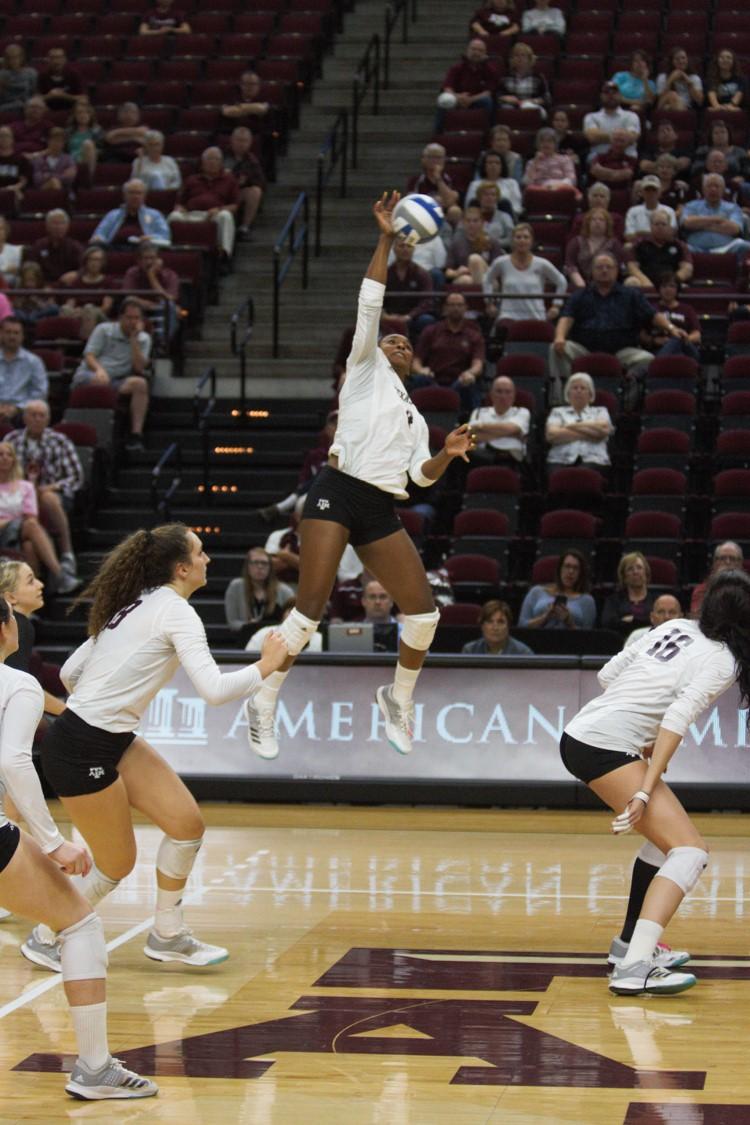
638, 218
599, 126
502, 428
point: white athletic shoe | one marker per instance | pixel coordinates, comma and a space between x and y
5, 915
112, 1081
261, 729
399, 720
645, 977
185, 948
44, 953
665, 957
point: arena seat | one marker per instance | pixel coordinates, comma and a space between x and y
659, 490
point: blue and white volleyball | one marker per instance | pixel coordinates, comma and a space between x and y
417, 218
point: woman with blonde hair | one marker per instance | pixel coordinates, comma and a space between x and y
629, 606
521, 88
520, 277
19, 522
596, 237
257, 596
24, 593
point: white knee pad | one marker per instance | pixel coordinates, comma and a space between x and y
296, 629
83, 952
419, 629
684, 866
650, 854
175, 858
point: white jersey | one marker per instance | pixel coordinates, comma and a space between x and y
381, 436
113, 677
21, 708
665, 679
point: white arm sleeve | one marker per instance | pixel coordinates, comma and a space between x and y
369, 308
21, 718
70, 673
612, 669
710, 681
184, 628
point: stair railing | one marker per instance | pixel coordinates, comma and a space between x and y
238, 343
295, 236
333, 152
161, 503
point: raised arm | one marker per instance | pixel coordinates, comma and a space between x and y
383, 211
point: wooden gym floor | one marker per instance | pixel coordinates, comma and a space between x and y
403, 967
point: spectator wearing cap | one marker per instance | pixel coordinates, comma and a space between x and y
433, 180
712, 224
470, 83
658, 252
599, 125
132, 222
638, 218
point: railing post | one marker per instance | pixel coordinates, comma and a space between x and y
276, 284
355, 118
376, 84
344, 154
306, 240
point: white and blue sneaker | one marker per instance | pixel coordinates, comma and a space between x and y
399, 719
665, 957
261, 729
649, 979
185, 948
44, 953
112, 1080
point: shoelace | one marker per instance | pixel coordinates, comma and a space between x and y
406, 717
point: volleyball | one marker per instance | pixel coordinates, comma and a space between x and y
417, 218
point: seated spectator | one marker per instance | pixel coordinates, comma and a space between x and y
711, 224
163, 19
433, 180
257, 596
599, 195
257, 640
502, 428
566, 603
31, 307
665, 608
678, 87
639, 216
595, 238
249, 174
10, 254
30, 133
727, 556
56, 253
452, 351
493, 169
20, 528
250, 108
53, 169
501, 142
123, 143
521, 87
599, 125
211, 193
132, 222
378, 606
682, 315
153, 168
674, 192
25, 594
550, 169
22, 375
470, 83
604, 317
717, 165
497, 17
498, 224
17, 80
150, 273
630, 605
726, 87
408, 315
471, 250
719, 137
314, 461
84, 136
520, 276
282, 546
15, 169
117, 355
49, 460
495, 621
635, 86
541, 19
568, 143
666, 145
94, 306
59, 84
614, 166
657, 253
578, 433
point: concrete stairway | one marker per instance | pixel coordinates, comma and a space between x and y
312, 320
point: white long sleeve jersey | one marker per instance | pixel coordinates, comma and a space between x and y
381, 436
21, 707
113, 677
665, 679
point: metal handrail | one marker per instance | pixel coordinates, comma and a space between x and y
335, 149
247, 309
161, 504
296, 232
201, 422
395, 11
366, 74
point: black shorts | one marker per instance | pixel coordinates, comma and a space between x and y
587, 763
10, 838
78, 758
367, 511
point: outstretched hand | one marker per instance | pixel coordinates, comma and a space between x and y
460, 442
383, 210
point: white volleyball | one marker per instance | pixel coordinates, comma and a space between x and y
417, 218
447, 100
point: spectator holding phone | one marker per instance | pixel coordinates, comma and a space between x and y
566, 603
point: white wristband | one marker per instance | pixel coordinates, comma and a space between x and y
642, 796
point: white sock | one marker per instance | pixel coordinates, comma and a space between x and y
168, 920
403, 683
90, 1025
95, 886
643, 942
268, 692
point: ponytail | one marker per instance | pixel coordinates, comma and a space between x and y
725, 617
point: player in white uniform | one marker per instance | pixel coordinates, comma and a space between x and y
34, 883
380, 439
653, 691
142, 628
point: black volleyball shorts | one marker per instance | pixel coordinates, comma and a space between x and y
368, 512
78, 758
587, 763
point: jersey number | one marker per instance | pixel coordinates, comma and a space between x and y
123, 613
668, 646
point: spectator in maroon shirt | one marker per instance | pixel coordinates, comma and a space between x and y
15, 169
150, 273
472, 82
212, 193
251, 108
59, 84
164, 20
613, 166
56, 252
124, 142
681, 315
407, 315
452, 352
248, 172
433, 179
30, 134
